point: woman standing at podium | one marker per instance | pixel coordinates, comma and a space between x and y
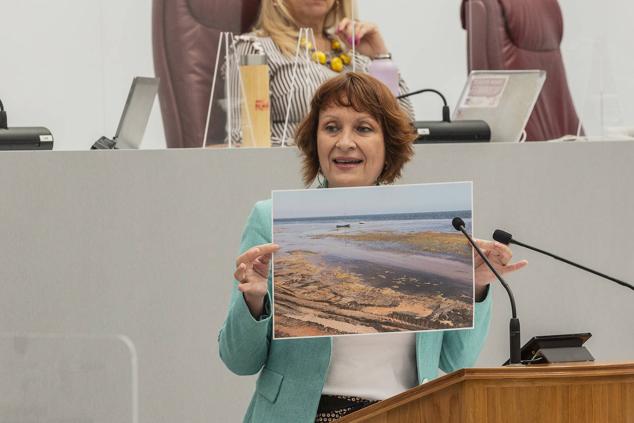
276, 35
356, 134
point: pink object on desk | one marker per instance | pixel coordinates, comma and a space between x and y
384, 69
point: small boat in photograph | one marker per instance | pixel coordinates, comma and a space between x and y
343, 226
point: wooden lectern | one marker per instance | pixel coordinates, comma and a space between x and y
571, 393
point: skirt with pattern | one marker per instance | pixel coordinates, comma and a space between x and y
333, 407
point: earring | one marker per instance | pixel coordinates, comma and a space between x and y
322, 182
334, 10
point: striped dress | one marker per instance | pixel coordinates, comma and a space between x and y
309, 75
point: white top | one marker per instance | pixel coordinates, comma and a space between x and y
373, 367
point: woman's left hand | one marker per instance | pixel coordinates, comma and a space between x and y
499, 255
367, 37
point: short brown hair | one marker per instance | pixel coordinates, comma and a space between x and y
364, 94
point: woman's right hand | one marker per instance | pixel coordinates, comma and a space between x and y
252, 273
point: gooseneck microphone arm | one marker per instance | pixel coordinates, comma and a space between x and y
445, 107
514, 324
3, 117
506, 238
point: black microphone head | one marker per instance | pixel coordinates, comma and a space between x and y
502, 236
457, 223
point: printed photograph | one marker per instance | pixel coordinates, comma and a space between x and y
372, 260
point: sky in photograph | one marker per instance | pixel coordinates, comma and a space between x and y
418, 198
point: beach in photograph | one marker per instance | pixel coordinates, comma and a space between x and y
371, 273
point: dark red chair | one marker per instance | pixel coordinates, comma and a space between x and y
185, 37
524, 34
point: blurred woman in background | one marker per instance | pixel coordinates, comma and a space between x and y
334, 32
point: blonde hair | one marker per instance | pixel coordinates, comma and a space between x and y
276, 21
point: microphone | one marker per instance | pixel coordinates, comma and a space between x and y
506, 238
446, 131
23, 138
3, 117
514, 324
445, 107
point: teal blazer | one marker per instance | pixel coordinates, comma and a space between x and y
293, 372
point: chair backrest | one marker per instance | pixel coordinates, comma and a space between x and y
185, 36
524, 34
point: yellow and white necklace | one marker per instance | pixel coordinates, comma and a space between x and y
336, 59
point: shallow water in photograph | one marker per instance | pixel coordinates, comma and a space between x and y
369, 274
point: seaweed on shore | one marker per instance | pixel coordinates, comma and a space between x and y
431, 242
320, 299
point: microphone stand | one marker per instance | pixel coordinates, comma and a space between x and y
445, 107
514, 324
3, 117
506, 238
